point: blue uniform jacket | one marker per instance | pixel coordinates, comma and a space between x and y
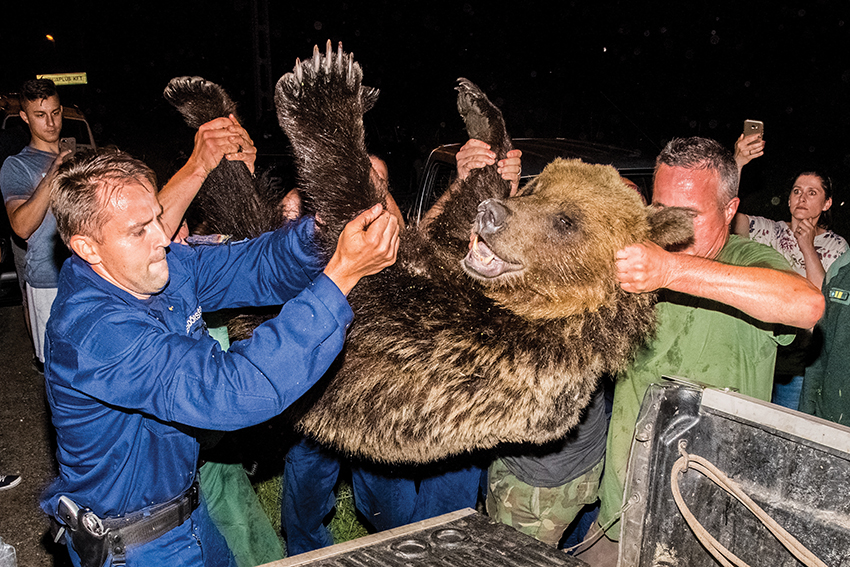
128, 380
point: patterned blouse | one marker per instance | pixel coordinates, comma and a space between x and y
778, 235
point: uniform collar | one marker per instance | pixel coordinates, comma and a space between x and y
82, 271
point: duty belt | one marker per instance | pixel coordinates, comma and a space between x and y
94, 539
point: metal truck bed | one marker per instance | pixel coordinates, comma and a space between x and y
461, 539
796, 467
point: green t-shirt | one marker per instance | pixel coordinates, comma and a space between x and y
697, 339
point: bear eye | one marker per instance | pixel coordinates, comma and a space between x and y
564, 223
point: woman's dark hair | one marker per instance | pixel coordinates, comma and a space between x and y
825, 219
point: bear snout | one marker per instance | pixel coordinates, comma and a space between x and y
491, 217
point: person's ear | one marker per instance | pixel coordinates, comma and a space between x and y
85, 247
24, 117
827, 204
730, 210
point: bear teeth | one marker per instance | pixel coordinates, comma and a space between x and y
476, 247
485, 259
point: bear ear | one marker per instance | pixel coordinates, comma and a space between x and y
671, 226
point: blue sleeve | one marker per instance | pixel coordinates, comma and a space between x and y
125, 358
15, 180
267, 270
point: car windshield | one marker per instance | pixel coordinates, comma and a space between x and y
440, 172
71, 128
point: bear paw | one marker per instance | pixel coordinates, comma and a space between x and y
321, 84
198, 100
483, 119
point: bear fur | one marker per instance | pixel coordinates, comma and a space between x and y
496, 322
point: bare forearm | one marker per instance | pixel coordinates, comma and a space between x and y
217, 139
814, 269
176, 196
26, 216
768, 295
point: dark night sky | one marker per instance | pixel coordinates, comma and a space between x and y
625, 73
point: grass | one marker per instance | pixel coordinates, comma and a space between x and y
343, 527
268, 492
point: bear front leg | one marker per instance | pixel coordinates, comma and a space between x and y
198, 100
484, 121
482, 118
320, 106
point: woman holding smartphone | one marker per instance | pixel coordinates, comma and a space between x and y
810, 247
807, 243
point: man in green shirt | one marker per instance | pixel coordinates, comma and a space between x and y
722, 299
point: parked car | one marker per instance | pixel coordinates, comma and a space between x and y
74, 123
440, 169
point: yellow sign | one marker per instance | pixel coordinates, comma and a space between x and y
65, 78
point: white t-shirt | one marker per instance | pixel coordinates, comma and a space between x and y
778, 235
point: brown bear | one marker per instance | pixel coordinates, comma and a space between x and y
495, 323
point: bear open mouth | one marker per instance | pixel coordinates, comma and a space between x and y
481, 262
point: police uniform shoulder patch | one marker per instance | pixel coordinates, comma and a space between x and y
839, 296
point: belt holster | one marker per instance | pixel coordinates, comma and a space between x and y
95, 539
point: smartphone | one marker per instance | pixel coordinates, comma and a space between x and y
68, 144
754, 127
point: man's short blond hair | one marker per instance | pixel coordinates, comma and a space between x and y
82, 186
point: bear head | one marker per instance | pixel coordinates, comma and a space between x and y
548, 252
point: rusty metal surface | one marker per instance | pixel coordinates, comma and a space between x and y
793, 466
460, 539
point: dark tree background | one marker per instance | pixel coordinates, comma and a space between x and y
627, 73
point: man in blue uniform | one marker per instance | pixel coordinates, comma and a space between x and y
132, 373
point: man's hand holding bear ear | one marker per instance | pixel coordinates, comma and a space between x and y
475, 154
642, 267
367, 245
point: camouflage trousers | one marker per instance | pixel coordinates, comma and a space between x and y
542, 513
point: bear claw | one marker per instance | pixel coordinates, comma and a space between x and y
319, 63
299, 75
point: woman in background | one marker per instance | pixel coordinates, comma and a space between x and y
810, 247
